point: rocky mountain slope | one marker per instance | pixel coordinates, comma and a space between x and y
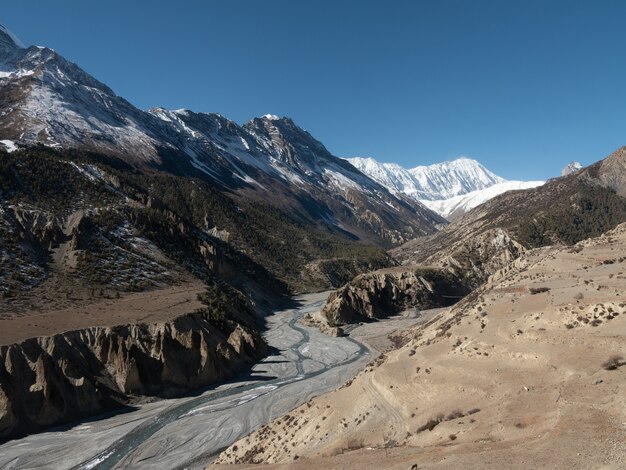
519, 374
450, 188
564, 210
74, 227
49, 100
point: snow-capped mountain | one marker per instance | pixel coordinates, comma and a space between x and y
448, 188
46, 99
432, 182
571, 167
456, 206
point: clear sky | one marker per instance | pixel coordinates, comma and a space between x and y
522, 86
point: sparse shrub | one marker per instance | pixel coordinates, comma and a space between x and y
613, 362
430, 424
454, 415
538, 290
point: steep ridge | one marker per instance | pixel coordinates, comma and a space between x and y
519, 374
48, 100
610, 172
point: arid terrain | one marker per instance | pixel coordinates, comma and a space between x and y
180, 289
147, 307
526, 372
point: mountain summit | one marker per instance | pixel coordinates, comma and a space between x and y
571, 167
432, 182
8, 41
448, 188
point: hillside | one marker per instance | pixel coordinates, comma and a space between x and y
564, 210
76, 220
526, 372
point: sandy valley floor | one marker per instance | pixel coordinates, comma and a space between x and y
527, 372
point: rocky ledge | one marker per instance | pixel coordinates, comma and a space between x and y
57, 379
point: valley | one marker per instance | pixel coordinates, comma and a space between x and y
527, 371
172, 433
182, 290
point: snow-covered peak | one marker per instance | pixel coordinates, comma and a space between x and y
8, 40
571, 167
448, 188
432, 182
270, 117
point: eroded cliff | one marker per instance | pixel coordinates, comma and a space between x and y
57, 379
383, 293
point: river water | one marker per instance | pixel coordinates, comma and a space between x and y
189, 432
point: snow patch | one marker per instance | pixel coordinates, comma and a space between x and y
458, 205
571, 167
17, 74
9, 145
341, 181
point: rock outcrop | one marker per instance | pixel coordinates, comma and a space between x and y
389, 291
476, 258
52, 380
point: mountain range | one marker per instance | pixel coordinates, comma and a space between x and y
448, 188
51, 101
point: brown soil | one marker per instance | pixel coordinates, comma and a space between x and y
143, 307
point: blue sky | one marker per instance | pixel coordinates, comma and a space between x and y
524, 87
